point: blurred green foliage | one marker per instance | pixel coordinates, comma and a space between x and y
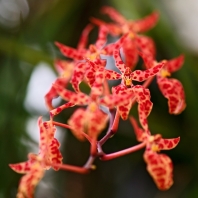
23, 47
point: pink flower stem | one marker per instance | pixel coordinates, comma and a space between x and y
112, 129
69, 127
72, 168
123, 152
62, 125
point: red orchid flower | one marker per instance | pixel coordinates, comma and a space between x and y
122, 26
140, 94
159, 166
93, 119
171, 88
83, 70
35, 167
66, 68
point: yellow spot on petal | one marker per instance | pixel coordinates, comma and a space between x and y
131, 35
93, 167
165, 73
93, 107
155, 148
128, 82
92, 57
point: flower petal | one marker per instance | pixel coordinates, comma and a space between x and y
30, 180
52, 93
167, 144
139, 75
102, 37
70, 52
22, 167
96, 123
84, 37
54, 153
77, 121
78, 75
175, 64
146, 23
160, 168
173, 90
75, 98
140, 134
113, 14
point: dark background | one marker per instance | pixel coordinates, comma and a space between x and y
28, 42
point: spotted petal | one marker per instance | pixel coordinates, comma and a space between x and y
78, 75
102, 37
160, 168
142, 96
97, 88
167, 144
125, 105
146, 46
112, 75
84, 37
140, 134
70, 52
173, 90
130, 52
52, 93
57, 110
75, 98
175, 64
22, 167
54, 153
113, 29
146, 23
113, 14
30, 180
77, 121
139, 75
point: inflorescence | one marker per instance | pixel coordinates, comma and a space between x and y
104, 106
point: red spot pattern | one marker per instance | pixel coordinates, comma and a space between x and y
173, 90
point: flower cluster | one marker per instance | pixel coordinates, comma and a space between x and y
103, 105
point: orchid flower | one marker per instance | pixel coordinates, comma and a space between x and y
140, 94
159, 166
84, 70
122, 26
93, 119
171, 88
35, 167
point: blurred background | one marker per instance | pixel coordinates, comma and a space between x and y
28, 29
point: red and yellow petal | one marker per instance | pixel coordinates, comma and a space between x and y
54, 153
140, 134
52, 93
84, 37
70, 52
29, 181
96, 123
113, 14
78, 75
174, 64
167, 144
145, 24
160, 167
22, 167
173, 90
139, 75
102, 37
77, 121
75, 98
